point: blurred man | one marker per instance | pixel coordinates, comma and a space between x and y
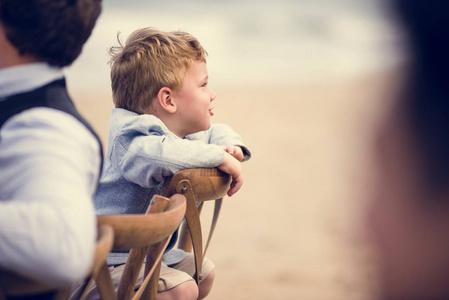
409, 215
50, 158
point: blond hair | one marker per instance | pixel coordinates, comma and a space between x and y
150, 60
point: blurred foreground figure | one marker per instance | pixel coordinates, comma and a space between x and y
50, 158
409, 214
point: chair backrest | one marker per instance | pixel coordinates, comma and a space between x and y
207, 184
146, 235
197, 185
15, 285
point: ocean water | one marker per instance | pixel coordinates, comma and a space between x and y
251, 44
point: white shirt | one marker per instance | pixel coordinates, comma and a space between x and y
49, 166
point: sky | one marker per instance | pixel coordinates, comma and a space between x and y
250, 44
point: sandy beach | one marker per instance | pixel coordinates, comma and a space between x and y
295, 230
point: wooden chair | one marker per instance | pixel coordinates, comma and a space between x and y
147, 235
14, 285
197, 185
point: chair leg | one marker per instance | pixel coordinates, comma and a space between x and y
150, 292
131, 273
148, 289
194, 224
185, 242
82, 292
104, 284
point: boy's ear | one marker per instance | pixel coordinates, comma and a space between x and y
165, 99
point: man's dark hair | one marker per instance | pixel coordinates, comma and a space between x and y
426, 96
50, 30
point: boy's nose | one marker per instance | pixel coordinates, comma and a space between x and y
212, 96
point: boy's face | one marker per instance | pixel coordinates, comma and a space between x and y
194, 100
409, 223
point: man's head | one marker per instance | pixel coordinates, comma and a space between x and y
149, 61
409, 214
53, 31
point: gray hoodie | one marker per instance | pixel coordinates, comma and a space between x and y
142, 152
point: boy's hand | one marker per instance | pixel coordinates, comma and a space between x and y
235, 151
233, 167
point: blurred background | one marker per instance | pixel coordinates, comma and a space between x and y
304, 82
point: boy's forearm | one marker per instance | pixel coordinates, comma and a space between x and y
149, 160
223, 135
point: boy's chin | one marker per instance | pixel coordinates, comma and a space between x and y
200, 129
204, 128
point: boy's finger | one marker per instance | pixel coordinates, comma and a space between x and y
235, 186
231, 192
239, 155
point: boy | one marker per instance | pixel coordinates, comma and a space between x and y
50, 158
161, 125
409, 215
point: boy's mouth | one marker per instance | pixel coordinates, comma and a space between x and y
211, 113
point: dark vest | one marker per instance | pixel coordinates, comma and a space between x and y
53, 95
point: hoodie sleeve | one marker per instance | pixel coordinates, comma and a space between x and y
222, 135
146, 153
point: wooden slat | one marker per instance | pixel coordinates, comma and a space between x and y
138, 231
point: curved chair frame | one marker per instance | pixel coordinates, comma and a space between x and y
146, 235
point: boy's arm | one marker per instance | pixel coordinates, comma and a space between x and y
233, 167
147, 159
222, 135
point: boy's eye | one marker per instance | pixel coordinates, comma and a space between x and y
204, 84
